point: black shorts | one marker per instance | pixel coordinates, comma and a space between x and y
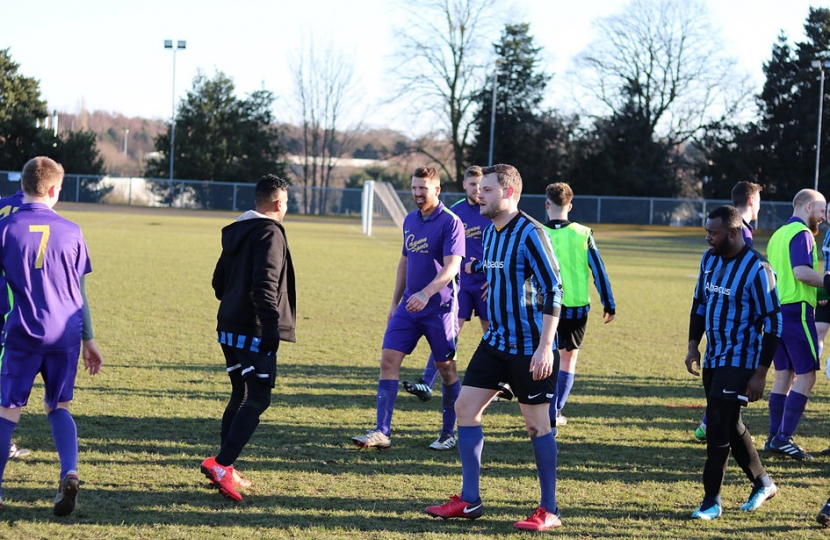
726, 384
249, 364
571, 332
491, 368
823, 313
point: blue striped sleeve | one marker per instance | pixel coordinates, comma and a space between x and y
766, 300
545, 268
601, 281
825, 250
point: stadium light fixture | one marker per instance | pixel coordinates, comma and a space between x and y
821, 65
168, 44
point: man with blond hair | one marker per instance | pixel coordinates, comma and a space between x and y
44, 259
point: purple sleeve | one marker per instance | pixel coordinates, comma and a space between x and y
747, 234
454, 238
801, 249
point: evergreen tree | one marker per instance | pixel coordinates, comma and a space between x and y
533, 141
220, 137
619, 157
22, 111
779, 150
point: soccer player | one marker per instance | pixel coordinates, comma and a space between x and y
472, 292
794, 257
44, 259
576, 251
746, 197
254, 283
823, 306
736, 305
823, 516
8, 205
424, 303
519, 348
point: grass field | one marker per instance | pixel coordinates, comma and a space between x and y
628, 467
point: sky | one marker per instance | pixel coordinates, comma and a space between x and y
109, 55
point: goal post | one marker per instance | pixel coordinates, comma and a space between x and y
379, 200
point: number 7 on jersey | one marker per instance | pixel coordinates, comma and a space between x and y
41, 251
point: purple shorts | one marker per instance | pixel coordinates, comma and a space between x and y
470, 301
798, 348
19, 369
440, 329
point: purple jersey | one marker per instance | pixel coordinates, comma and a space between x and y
474, 225
43, 257
426, 241
801, 247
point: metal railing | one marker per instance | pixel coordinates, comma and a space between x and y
235, 196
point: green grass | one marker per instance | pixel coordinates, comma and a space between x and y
628, 464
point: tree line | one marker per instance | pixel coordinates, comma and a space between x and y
659, 107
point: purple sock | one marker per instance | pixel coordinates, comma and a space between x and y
793, 409
545, 450
450, 394
6, 430
776, 412
470, 444
65, 435
387, 394
430, 372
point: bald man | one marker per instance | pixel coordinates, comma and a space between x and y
793, 255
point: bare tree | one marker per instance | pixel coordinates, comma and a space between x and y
441, 66
326, 89
662, 60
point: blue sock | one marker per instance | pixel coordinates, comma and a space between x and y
450, 394
705, 418
387, 394
563, 388
776, 412
793, 409
65, 435
470, 444
430, 372
6, 430
564, 384
545, 450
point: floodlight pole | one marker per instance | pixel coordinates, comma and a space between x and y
821, 65
493, 116
168, 44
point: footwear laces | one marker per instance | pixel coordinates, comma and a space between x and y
539, 515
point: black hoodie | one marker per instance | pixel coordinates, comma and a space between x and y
254, 278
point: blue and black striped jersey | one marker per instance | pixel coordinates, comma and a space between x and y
523, 274
739, 301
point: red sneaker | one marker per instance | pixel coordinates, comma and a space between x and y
221, 478
540, 520
239, 480
456, 508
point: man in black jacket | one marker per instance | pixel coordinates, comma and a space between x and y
254, 283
